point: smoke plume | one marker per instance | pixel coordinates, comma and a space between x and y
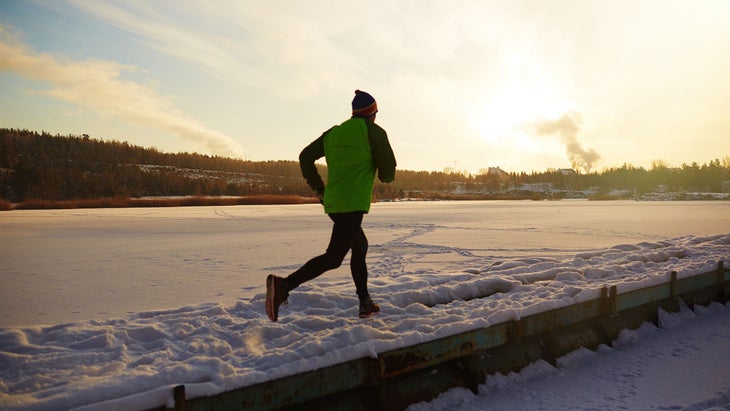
567, 128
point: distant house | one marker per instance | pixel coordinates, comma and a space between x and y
567, 171
493, 171
501, 175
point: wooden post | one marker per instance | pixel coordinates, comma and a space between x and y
516, 331
604, 302
722, 284
720, 272
179, 394
613, 292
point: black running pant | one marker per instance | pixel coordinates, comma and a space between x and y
347, 235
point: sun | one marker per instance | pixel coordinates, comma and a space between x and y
514, 106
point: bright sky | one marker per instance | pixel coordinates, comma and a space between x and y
522, 85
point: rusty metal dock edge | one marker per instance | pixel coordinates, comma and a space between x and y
420, 372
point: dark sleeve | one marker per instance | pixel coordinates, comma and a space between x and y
383, 156
307, 157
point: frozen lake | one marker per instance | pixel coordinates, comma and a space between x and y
111, 308
60, 266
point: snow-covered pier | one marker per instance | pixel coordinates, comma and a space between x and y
394, 379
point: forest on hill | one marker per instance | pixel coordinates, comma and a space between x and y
40, 166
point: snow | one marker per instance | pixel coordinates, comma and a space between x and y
109, 309
680, 365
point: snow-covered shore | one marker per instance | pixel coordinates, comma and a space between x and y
681, 365
426, 260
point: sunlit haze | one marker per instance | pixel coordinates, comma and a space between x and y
468, 85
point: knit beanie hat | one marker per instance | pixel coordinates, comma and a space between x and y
363, 104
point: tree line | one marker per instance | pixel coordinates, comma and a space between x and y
38, 165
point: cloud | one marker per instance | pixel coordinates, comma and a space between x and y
567, 127
299, 51
158, 30
97, 84
232, 41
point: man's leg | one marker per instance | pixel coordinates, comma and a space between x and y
344, 231
358, 266
360, 275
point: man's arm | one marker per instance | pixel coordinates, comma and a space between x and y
307, 157
383, 156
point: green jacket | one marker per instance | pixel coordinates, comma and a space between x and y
354, 150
